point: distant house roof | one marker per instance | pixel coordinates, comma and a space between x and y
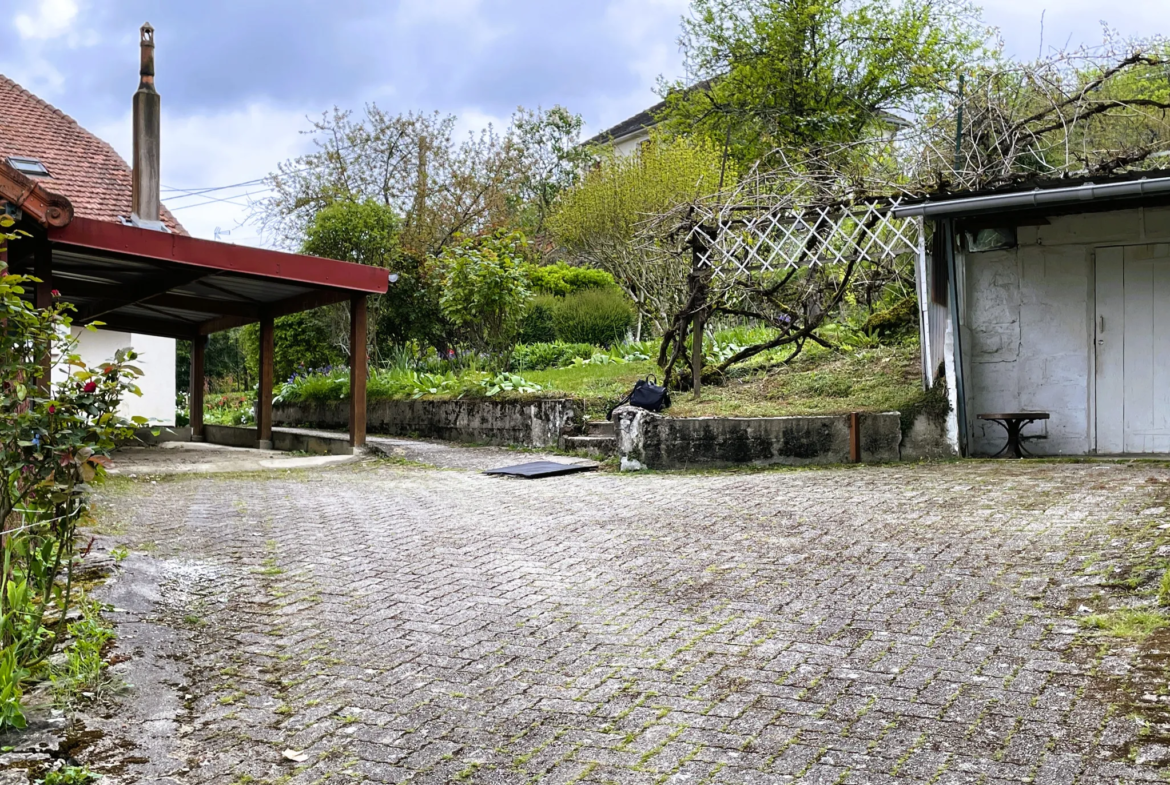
81, 167
643, 120
648, 118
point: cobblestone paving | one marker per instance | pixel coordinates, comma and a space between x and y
909, 624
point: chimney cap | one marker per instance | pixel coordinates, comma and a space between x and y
146, 47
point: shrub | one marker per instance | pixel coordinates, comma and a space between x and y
899, 319
536, 326
561, 279
301, 341
53, 444
485, 289
595, 316
539, 356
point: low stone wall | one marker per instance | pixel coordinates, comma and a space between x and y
647, 440
536, 423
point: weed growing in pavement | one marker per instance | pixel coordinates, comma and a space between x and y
83, 672
1164, 589
70, 775
1132, 623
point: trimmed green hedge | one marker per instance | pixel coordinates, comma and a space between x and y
601, 317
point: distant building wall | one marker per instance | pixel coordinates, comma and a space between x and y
156, 359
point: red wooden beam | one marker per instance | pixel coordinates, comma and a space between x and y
264, 389
25, 193
357, 371
178, 249
198, 379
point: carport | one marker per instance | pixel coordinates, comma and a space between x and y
164, 284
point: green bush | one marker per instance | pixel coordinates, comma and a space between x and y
561, 279
540, 356
536, 326
485, 289
595, 316
302, 341
899, 319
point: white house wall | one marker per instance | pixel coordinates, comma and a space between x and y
156, 359
1028, 326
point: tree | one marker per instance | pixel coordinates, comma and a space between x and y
485, 289
1090, 111
810, 74
551, 159
597, 221
370, 233
439, 187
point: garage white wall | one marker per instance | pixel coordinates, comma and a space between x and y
1028, 326
156, 359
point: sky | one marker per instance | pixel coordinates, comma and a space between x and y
240, 79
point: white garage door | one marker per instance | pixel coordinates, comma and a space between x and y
1133, 349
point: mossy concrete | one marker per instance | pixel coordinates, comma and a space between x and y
647, 440
523, 423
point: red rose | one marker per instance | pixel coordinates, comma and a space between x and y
89, 387
56, 292
52, 409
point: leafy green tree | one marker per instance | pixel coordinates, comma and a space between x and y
369, 232
439, 186
598, 220
550, 159
810, 74
485, 289
302, 342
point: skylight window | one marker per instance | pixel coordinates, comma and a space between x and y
30, 166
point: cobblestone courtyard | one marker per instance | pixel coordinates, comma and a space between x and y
908, 624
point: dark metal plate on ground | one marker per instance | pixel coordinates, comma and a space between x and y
537, 469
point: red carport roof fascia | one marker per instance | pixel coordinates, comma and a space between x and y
242, 259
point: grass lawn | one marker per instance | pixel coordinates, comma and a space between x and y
885, 378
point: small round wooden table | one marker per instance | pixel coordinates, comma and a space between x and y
1013, 423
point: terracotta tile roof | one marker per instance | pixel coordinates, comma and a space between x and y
85, 169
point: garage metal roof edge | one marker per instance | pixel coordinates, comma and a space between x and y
1037, 197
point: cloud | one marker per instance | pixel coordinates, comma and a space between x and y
52, 18
231, 148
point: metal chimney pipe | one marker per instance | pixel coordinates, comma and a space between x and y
147, 152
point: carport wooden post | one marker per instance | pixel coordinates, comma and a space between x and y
264, 392
357, 371
195, 397
43, 269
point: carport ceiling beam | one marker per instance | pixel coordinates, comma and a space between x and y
144, 289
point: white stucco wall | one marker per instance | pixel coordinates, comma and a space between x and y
631, 144
156, 359
1027, 337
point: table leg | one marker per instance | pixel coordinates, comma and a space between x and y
1013, 446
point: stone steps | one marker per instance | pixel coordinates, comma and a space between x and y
599, 439
599, 428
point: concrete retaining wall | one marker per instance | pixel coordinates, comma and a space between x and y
926, 440
647, 440
536, 423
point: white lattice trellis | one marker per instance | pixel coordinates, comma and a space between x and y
747, 241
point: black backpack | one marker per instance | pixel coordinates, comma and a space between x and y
648, 395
